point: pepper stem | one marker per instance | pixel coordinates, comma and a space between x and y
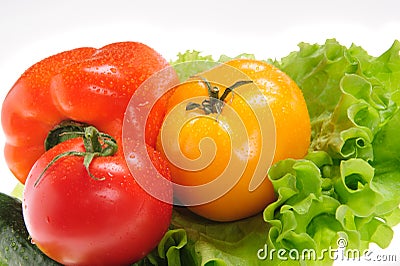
65, 130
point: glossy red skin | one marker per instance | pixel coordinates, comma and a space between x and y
86, 85
77, 220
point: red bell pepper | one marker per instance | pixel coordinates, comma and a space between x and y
89, 85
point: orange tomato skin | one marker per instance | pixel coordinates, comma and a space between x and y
292, 121
292, 138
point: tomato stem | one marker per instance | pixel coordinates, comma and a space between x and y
214, 103
96, 144
213, 92
231, 88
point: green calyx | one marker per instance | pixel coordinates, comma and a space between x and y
97, 144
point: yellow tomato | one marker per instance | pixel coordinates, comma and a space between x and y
222, 131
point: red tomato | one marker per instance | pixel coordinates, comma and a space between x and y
101, 218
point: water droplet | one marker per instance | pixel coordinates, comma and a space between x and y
143, 104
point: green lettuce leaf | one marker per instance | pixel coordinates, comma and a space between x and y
345, 194
199, 63
353, 103
193, 240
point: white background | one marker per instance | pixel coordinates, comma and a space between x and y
31, 30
